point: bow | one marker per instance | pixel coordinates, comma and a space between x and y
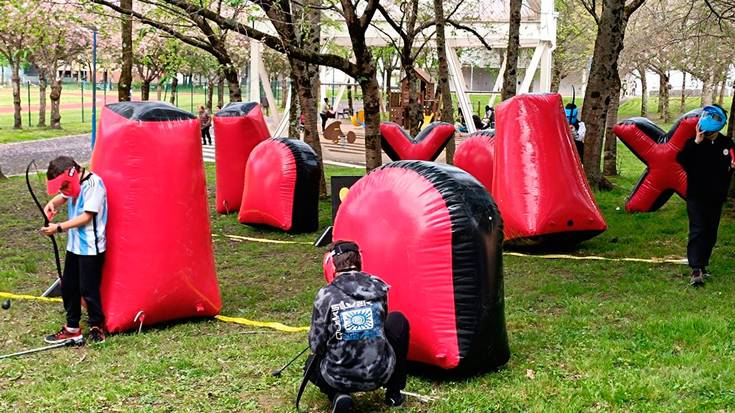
45, 218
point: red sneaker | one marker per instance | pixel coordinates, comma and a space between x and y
64, 335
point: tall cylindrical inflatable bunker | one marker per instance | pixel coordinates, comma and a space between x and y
159, 264
538, 181
433, 233
238, 127
475, 155
282, 186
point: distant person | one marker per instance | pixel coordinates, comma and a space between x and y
708, 160
205, 121
326, 113
489, 121
572, 114
264, 104
579, 140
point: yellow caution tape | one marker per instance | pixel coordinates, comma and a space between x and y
263, 240
598, 258
29, 297
236, 320
268, 324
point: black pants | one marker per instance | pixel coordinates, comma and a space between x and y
325, 116
704, 220
580, 149
205, 136
397, 333
81, 279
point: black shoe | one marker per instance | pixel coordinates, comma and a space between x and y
96, 335
697, 278
394, 399
342, 403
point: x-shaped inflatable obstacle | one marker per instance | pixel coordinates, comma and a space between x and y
426, 146
664, 175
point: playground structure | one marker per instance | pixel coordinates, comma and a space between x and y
537, 33
426, 98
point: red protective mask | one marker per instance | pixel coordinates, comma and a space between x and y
72, 189
328, 266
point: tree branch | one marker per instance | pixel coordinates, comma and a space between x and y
392, 23
471, 30
158, 25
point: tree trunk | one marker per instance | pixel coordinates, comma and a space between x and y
721, 98
159, 89
410, 105
608, 45
707, 90
388, 79
232, 76
126, 70
294, 114
610, 159
350, 104
210, 94
15, 80
174, 87
55, 99
510, 77
42, 83
556, 76
284, 91
221, 92
683, 102
371, 99
444, 92
145, 90
302, 74
644, 91
663, 96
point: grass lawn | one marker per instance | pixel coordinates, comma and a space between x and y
584, 335
71, 119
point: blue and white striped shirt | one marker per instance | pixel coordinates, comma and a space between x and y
89, 239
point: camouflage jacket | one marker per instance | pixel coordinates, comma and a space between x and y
347, 332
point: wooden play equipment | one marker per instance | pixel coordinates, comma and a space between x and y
425, 99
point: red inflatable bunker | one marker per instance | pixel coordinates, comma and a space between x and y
538, 181
159, 259
434, 234
282, 186
427, 146
664, 175
475, 155
238, 127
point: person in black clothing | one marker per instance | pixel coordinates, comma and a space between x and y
326, 113
359, 346
708, 160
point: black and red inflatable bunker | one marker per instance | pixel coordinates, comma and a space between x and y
159, 264
238, 127
434, 234
399, 145
282, 186
664, 175
538, 181
476, 156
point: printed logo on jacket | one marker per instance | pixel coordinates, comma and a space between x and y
358, 320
